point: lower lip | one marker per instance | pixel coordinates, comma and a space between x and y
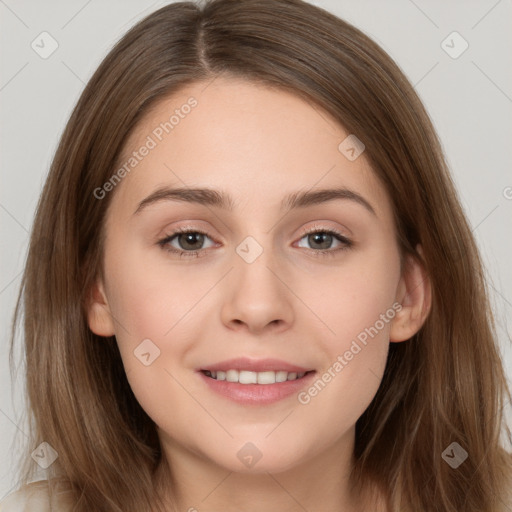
257, 394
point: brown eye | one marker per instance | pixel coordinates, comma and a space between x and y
321, 241
190, 241
185, 242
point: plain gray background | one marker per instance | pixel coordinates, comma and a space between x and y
469, 99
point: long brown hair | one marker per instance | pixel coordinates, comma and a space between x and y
445, 385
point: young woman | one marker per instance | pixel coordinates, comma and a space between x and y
250, 283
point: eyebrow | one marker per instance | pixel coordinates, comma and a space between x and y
220, 199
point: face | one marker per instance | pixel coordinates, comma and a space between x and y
273, 286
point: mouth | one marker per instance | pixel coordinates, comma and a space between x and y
255, 382
251, 377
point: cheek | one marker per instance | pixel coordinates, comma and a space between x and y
150, 307
350, 298
357, 307
149, 298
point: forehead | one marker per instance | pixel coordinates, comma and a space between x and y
257, 142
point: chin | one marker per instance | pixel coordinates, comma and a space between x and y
259, 457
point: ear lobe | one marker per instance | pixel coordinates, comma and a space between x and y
415, 295
98, 311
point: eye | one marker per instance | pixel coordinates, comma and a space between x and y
322, 239
189, 242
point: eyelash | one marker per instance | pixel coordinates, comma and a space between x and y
199, 253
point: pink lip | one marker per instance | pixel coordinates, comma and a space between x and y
257, 394
254, 365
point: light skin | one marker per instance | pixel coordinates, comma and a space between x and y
259, 145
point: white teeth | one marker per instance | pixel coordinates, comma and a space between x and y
232, 375
247, 377
266, 377
281, 376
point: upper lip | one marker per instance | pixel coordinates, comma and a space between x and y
254, 365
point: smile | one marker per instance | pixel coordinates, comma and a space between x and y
248, 377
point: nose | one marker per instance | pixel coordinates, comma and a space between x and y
257, 296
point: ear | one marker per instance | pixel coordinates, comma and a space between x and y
414, 294
99, 317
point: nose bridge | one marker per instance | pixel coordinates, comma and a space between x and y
255, 264
257, 295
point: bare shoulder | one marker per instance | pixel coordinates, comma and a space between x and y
35, 497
